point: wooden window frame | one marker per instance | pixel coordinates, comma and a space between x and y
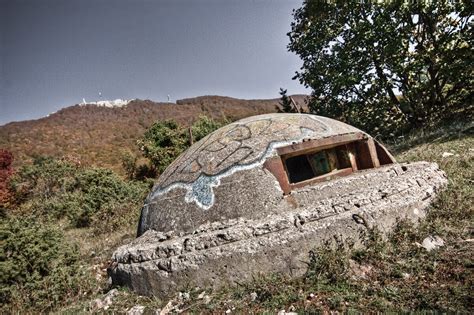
362, 155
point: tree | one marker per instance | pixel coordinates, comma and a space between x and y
386, 65
164, 141
204, 126
285, 103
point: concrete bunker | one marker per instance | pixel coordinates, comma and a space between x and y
258, 194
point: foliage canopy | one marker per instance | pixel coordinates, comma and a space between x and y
386, 66
164, 141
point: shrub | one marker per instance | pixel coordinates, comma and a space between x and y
6, 171
204, 126
40, 270
165, 140
53, 189
162, 143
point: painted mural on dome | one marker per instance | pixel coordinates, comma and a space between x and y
238, 146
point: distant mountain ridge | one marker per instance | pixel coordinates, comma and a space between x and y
97, 135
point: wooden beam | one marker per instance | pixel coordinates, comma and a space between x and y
322, 178
352, 156
275, 166
294, 104
373, 152
320, 144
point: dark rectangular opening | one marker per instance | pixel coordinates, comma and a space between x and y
315, 164
298, 168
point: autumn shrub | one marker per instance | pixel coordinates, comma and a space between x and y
40, 269
6, 171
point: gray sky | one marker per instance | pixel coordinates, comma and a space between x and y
56, 52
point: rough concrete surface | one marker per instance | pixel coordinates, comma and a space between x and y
221, 176
274, 233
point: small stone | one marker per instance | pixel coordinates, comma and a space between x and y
253, 296
136, 310
207, 299
183, 296
447, 154
97, 304
228, 311
106, 301
201, 295
359, 271
432, 242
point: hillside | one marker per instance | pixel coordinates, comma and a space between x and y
97, 135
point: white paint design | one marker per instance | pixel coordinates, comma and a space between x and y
201, 190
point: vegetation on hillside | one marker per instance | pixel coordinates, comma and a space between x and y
99, 135
51, 189
387, 67
6, 172
58, 209
165, 140
285, 103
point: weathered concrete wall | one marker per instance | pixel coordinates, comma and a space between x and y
235, 248
220, 177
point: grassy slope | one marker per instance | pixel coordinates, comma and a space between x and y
388, 275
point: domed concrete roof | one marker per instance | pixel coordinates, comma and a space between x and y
223, 175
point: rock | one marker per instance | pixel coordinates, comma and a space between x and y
447, 154
253, 296
201, 295
183, 296
168, 308
432, 242
358, 271
283, 312
105, 302
136, 310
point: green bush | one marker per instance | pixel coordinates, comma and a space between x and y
162, 143
54, 189
165, 140
204, 126
40, 270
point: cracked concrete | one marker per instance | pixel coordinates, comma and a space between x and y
276, 234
